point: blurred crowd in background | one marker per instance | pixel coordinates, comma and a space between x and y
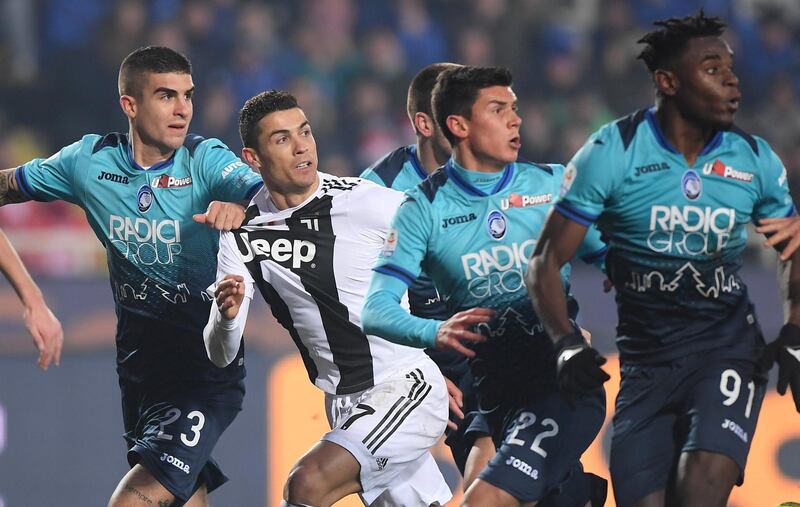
349, 63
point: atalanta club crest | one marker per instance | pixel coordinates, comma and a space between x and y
496, 225
692, 185
144, 198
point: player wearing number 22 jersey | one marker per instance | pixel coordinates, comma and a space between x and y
472, 232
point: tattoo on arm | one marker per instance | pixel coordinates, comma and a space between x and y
9, 191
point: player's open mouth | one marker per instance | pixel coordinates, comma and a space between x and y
303, 165
733, 104
516, 143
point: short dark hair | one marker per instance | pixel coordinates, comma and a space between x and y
667, 43
457, 90
258, 107
155, 59
421, 87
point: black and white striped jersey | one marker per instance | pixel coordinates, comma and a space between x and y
313, 264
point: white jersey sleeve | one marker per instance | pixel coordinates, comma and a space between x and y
222, 336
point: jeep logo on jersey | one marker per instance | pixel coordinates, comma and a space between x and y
461, 219
167, 181
720, 169
522, 201
651, 168
116, 178
496, 225
691, 184
294, 252
144, 198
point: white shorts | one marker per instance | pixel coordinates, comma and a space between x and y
389, 428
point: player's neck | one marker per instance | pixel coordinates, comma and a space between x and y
146, 155
427, 155
285, 199
472, 161
685, 135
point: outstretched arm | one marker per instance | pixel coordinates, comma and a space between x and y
383, 316
44, 327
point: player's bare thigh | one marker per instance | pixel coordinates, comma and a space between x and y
139, 487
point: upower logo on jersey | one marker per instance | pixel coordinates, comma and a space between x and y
497, 270
143, 241
718, 168
523, 201
286, 252
690, 230
167, 181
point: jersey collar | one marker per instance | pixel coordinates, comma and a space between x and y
415, 163
164, 164
469, 188
712, 144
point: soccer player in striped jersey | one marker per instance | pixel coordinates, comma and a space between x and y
672, 188
148, 196
44, 327
308, 243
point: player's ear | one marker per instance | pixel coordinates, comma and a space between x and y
128, 105
251, 157
458, 125
424, 124
666, 81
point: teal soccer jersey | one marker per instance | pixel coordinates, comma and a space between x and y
159, 259
400, 169
475, 246
675, 233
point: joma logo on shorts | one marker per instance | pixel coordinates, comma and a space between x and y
172, 460
736, 429
523, 467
